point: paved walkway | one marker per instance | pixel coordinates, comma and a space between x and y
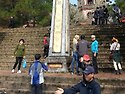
100, 75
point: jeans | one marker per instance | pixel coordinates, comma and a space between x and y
94, 62
18, 60
36, 89
46, 50
74, 58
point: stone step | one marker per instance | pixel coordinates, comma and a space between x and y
38, 46
109, 89
48, 92
28, 51
15, 85
10, 66
104, 79
59, 78
21, 91
103, 65
30, 34
54, 86
19, 30
105, 89
110, 83
8, 76
17, 91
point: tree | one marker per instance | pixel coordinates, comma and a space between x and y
121, 5
30, 9
24, 10
6, 8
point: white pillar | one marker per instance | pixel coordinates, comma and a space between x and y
59, 37
85, 2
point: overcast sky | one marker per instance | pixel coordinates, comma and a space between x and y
75, 1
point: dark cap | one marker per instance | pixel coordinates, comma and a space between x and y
37, 56
88, 70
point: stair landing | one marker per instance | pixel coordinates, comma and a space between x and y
100, 75
19, 83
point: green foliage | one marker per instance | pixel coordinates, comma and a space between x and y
110, 10
25, 10
121, 5
45, 21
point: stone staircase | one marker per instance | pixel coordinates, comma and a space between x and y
9, 39
104, 36
109, 85
20, 83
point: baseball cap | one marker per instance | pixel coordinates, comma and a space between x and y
88, 70
86, 58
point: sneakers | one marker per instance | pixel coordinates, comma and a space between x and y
19, 71
72, 73
12, 71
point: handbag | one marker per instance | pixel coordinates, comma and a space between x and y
24, 63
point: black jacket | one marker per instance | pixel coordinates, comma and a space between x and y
84, 88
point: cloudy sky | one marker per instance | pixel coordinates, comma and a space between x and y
75, 1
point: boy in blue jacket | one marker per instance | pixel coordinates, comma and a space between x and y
36, 72
87, 86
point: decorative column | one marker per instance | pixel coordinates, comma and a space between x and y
59, 37
85, 2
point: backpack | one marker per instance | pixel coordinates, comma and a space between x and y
36, 74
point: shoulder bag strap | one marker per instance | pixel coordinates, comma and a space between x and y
115, 46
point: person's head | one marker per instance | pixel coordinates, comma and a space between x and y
21, 41
114, 39
100, 7
103, 6
85, 58
114, 5
82, 37
11, 17
88, 73
97, 8
76, 37
92, 37
45, 35
37, 56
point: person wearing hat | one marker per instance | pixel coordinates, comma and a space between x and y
115, 50
87, 86
94, 50
36, 72
85, 60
